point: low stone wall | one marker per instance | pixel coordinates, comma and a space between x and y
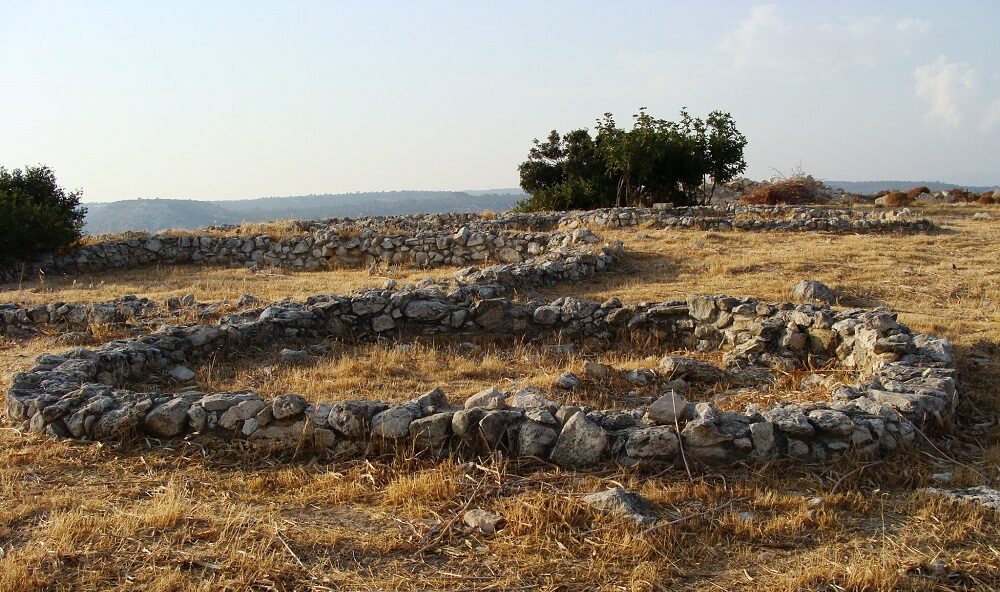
430, 240
321, 249
736, 216
903, 380
577, 257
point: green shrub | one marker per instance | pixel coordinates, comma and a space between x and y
36, 215
656, 161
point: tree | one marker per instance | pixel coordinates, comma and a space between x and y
657, 160
36, 215
565, 172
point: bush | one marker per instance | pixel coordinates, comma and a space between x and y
680, 162
36, 215
988, 198
918, 191
794, 191
895, 199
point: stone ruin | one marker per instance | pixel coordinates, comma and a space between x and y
902, 381
434, 240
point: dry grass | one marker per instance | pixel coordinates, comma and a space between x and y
153, 516
396, 372
210, 283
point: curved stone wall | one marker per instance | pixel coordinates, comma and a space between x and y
903, 380
430, 240
567, 257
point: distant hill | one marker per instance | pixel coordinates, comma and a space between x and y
869, 187
152, 215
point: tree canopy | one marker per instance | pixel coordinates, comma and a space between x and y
36, 215
656, 161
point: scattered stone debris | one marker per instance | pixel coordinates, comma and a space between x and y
982, 495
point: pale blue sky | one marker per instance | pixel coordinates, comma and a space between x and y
223, 100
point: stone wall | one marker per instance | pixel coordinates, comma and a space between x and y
430, 240
566, 257
320, 249
903, 380
736, 216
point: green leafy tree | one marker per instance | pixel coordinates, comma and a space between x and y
565, 172
657, 160
36, 215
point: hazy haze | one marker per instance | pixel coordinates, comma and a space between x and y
225, 100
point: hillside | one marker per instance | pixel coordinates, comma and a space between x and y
159, 214
869, 187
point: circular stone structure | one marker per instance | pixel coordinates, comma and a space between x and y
904, 380
446, 239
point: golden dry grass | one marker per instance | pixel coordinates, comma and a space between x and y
397, 372
176, 516
210, 283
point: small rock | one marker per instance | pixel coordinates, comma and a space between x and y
580, 443
568, 381
596, 371
625, 503
293, 357
246, 300
945, 477
813, 291
982, 216
395, 422
489, 398
285, 406
640, 376
486, 522
667, 410
182, 373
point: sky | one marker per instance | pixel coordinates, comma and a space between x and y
230, 100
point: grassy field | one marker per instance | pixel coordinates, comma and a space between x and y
178, 516
210, 284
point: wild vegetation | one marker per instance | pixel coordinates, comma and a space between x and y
36, 214
657, 160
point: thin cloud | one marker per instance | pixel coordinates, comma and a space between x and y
913, 25
768, 38
947, 86
990, 118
